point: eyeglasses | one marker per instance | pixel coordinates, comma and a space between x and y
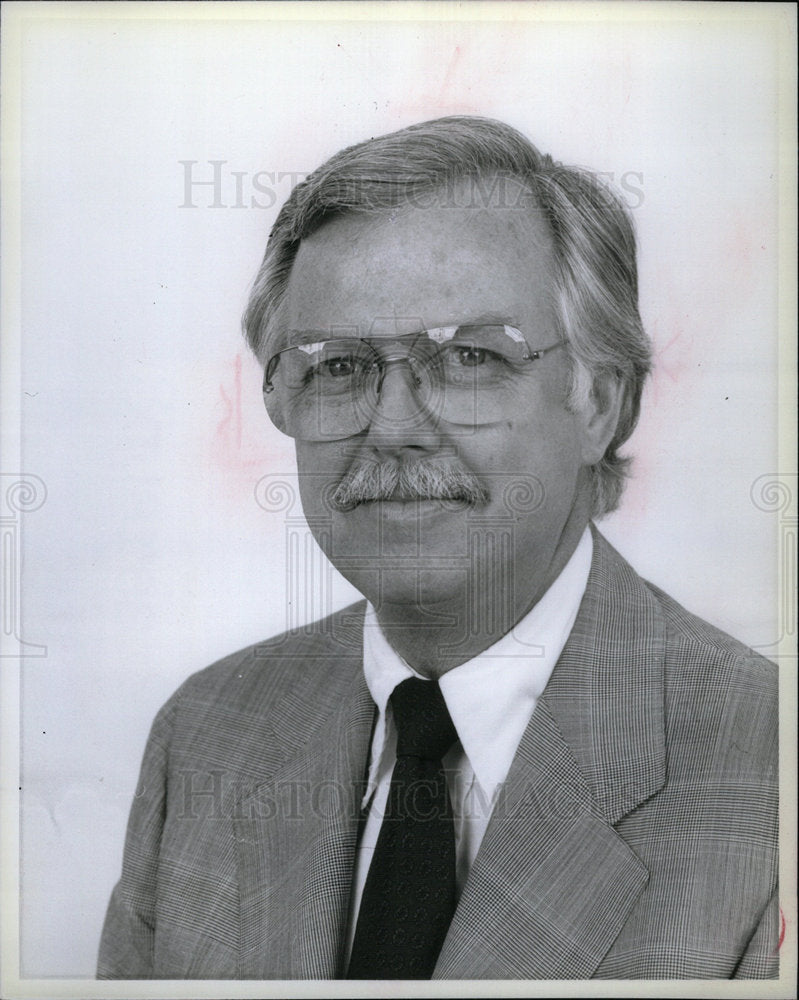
330, 389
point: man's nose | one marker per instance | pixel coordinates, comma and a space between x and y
401, 413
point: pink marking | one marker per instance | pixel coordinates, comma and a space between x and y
448, 75
230, 425
672, 372
237, 382
433, 104
672, 362
241, 443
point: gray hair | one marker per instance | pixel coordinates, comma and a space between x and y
596, 293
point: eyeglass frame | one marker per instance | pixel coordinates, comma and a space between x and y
272, 362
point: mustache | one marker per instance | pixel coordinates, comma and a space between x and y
418, 480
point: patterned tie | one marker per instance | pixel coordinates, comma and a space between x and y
409, 896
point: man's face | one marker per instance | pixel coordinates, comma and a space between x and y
422, 268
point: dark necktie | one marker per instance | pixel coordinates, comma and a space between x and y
409, 896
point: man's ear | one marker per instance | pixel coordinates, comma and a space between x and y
600, 418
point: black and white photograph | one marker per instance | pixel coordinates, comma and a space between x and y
398, 499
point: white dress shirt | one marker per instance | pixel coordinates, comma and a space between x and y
490, 698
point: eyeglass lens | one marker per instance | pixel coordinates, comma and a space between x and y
331, 389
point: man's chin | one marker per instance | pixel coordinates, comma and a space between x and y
428, 594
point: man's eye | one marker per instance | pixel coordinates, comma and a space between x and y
344, 366
470, 357
338, 367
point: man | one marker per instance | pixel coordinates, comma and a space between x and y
518, 759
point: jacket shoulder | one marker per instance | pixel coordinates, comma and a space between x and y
692, 645
265, 699
696, 641
718, 694
720, 697
310, 653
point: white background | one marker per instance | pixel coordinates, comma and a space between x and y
141, 407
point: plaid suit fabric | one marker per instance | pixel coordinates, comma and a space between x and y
635, 836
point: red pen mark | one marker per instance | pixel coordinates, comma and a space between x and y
449, 74
443, 98
229, 428
782, 930
238, 440
672, 360
669, 366
626, 76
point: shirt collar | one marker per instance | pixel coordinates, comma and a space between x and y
492, 696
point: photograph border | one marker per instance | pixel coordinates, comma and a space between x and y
778, 493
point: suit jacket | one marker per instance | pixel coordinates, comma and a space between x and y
635, 836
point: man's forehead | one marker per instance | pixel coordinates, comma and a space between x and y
506, 201
418, 266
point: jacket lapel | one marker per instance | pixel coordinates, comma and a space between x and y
553, 883
296, 836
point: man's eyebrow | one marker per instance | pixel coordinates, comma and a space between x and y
485, 319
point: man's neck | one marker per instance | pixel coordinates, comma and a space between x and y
439, 637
